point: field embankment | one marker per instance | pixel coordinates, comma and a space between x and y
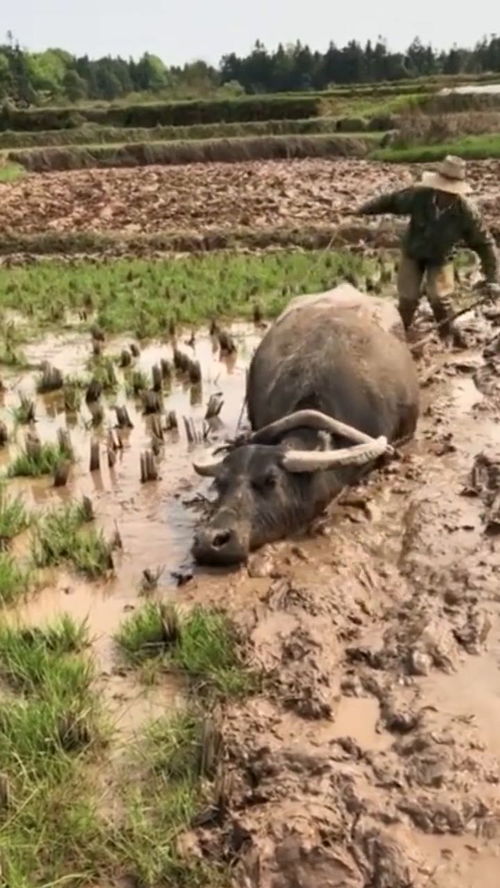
100, 135
480, 147
287, 106
198, 151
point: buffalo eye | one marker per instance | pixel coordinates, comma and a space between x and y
221, 482
265, 483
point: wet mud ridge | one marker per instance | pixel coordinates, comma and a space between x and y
370, 757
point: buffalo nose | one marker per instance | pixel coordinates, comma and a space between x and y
215, 545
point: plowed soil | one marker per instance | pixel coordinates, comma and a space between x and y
201, 197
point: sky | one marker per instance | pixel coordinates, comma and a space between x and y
183, 30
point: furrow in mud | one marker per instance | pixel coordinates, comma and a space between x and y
370, 759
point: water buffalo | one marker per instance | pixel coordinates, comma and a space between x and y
330, 386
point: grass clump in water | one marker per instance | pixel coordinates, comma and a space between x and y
67, 535
200, 644
13, 517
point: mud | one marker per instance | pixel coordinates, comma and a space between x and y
371, 757
203, 197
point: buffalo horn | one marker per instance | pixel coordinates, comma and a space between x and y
322, 460
208, 468
312, 419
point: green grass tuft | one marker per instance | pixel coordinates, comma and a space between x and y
51, 832
34, 463
11, 356
174, 754
67, 536
32, 658
200, 644
14, 580
10, 172
52, 738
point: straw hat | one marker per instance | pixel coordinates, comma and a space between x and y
449, 175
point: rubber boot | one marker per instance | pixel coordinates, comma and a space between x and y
407, 311
447, 330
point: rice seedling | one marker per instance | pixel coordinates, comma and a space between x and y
104, 373
130, 294
72, 394
67, 536
136, 384
200, 644
50, 379
25, 412
13, 516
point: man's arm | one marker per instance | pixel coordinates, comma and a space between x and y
397, 203
479, 238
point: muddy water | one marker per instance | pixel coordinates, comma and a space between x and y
155, 520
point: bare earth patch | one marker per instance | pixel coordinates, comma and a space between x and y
201, 197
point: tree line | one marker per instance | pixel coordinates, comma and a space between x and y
29, 78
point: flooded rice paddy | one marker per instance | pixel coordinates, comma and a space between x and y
378, 629
154, 520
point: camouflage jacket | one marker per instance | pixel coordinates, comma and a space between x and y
434, 234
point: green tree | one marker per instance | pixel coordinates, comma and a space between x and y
74, 86
5, 78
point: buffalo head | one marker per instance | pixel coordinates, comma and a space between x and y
270, 486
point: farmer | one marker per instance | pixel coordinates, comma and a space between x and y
441, 217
